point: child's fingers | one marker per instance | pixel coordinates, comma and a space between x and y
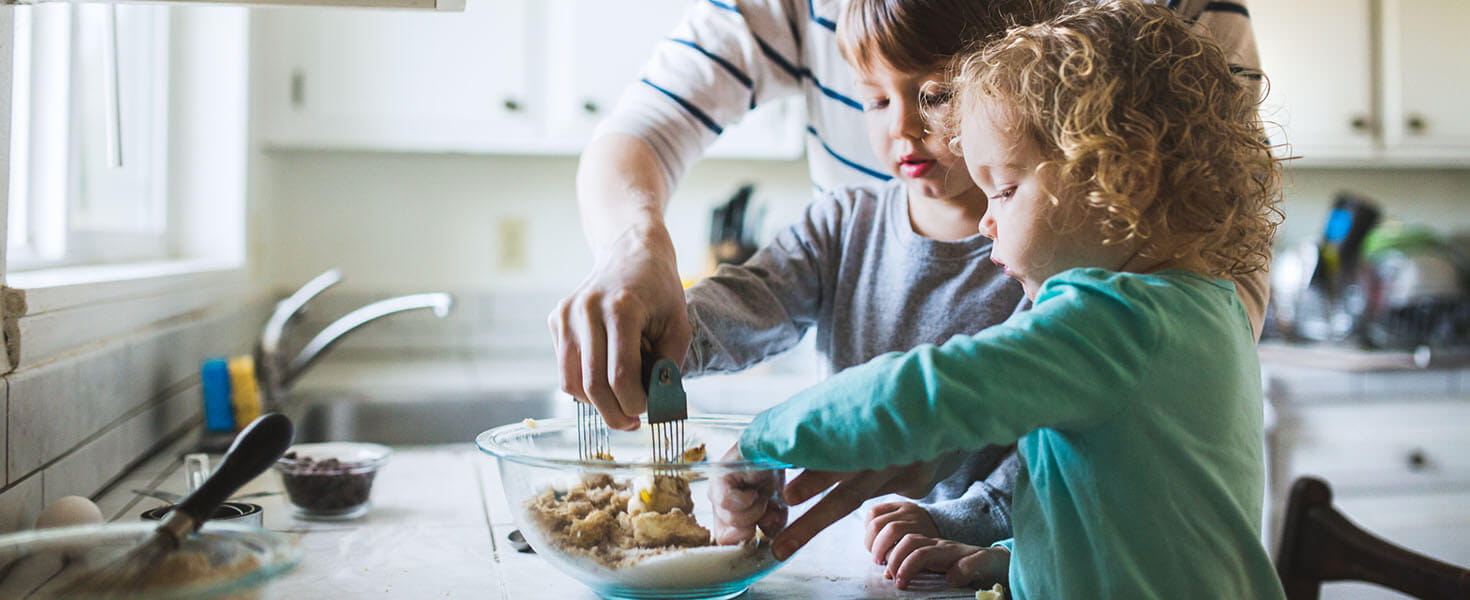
732, 498
885, 541
887, 526
907, 544
726, 535
774, 520
844, 498
936, 558
810, 483
885, 508
986, 567
740, 518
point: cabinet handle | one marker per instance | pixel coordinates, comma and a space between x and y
1360, 123
590, 107
1417, 460
511, 105
1417, 124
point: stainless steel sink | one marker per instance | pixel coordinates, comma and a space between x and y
409, 419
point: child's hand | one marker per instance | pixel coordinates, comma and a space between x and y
743, 501
963, 565
890, 522
849, 491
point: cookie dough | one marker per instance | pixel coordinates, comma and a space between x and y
621, 523
660, 494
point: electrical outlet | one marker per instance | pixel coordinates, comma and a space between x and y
512, 235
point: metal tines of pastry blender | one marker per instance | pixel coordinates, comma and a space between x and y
592, 435
668, 407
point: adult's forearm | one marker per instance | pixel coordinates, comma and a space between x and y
620, 190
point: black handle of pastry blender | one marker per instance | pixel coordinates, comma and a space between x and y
258, 446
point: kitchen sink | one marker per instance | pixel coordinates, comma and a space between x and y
412, 419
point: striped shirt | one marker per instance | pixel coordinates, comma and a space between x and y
729, 56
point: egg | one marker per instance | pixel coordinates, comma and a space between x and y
69, 510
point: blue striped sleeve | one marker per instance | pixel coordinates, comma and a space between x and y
689, 107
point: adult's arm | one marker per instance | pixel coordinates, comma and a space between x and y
1229, 24
633, 293
710, 72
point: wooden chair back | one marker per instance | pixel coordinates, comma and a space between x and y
1319, 544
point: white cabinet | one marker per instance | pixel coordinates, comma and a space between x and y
505, 76
1398, 465
383, 79
1367, 81
1320, 77
1426, 89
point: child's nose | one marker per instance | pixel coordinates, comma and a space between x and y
908, 122
987, 226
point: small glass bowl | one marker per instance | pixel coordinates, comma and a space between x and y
331, 480
234, 561
537, 458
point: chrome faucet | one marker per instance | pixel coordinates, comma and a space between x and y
276, 374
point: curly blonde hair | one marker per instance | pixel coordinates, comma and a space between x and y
1143, 121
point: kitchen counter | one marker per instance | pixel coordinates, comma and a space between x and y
437, 530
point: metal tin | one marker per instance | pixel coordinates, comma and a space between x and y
244, 513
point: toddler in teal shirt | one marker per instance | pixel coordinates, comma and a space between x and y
1127, 178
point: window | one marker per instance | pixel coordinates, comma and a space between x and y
89, 136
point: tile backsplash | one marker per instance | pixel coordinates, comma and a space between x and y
75, 423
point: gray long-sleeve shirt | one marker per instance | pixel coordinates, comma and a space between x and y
854, 269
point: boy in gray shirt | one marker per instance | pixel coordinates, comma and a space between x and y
886, 268
855, 269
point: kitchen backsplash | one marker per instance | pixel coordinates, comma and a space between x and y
77, 422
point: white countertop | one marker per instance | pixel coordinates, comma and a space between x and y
437, 530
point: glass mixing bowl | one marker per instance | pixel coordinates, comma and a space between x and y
223, 561
539, 466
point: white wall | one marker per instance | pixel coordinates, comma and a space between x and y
429, 221
1438, 198
403, 222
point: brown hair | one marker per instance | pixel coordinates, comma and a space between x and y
1144, 121
921, 35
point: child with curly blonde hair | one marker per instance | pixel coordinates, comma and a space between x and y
1127, 177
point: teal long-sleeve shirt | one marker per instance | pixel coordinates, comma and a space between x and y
1135, 402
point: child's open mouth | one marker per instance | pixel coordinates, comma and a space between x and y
915, 168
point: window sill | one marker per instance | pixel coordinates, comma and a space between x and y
52, 312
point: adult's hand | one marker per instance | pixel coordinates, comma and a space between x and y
849, 491
633, 296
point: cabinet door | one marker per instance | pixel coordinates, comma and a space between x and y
396, 80
1426, 78
1318, 59
597, 49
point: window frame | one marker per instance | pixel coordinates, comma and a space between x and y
47, 142
51, 312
